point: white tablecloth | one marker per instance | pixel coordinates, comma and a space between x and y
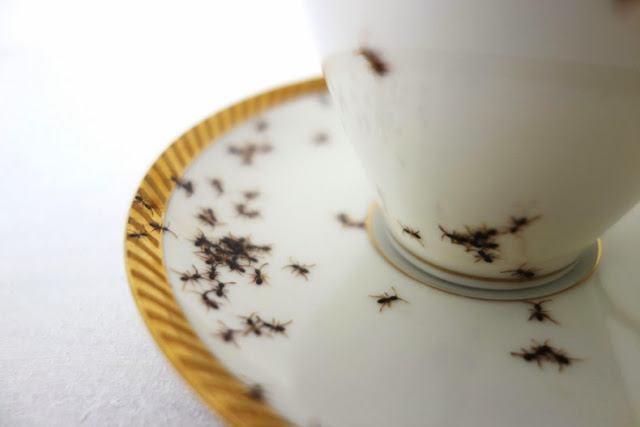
90, 95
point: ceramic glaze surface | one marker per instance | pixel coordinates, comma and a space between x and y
335, 336
492, 156
604, 32
460, 144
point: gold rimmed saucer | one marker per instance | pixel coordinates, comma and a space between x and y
248, 258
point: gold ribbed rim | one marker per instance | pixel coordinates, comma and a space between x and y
147, 273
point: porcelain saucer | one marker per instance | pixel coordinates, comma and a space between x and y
249, 258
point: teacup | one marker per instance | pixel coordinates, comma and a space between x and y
502, 137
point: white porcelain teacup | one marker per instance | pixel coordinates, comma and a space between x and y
502, 136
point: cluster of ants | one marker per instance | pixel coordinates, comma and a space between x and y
239, 255
543, 353
235, 254
253, 324
226, 253
483, 240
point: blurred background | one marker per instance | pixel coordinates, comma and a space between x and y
90, 94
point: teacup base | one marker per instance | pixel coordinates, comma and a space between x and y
477, 287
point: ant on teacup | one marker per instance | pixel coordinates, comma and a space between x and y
518, 223
414, 234
522, 272
378, 66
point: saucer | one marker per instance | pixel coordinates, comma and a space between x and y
305, 323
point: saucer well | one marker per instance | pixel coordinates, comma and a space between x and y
249, 260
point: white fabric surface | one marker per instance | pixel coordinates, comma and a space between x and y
90, 95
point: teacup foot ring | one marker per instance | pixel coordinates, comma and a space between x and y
577, 273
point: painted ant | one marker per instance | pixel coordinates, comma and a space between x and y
485, 256
208, 217
299, 269
220, 290
560, 357
518, 223
414, 234
545, 353
226, 333
241, 210
481, 238
253, 324
256, 392
233, 264
528, 356
346, 221
522, 273
211, 257
276, 327
386, 300
202, 241
455, 237
543, 349
159, 228
537, 352
184, 184
261, 125
259, 248
251, 194
320, 138
378, 66
139, 200
538, 313
138, 234
217, 185
258, 276
187, 277
207, 301
212, 273
247, 152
